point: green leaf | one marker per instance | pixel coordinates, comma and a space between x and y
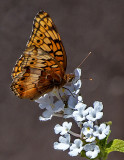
102, 143
108, 136
115, 145
83, 154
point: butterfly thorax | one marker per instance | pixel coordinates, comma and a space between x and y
66, 79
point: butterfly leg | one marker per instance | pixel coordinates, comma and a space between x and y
69, 91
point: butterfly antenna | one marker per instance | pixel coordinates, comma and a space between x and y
84, 60
88, 79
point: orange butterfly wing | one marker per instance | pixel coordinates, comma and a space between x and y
45, 36
42, 65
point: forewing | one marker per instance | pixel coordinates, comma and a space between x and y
45, 36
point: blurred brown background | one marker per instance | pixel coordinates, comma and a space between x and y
84, 25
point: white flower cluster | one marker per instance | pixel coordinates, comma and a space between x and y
89, 131
67, 103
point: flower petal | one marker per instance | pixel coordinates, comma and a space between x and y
61, 146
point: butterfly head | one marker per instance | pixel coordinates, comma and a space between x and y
69, 77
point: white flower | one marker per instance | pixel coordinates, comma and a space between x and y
98, 106
46, 115
57, 106
102, 131
49, 101
77, 86
44, 101
64, 142
80, 114
92, 150
52, 106
80, 99
73, 89
87, 128
76, 147
95, 113
75, 83
68, 113
63, 129
72, 101
77, 73
90, 137
50, 112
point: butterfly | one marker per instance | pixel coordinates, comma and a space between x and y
42, 66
